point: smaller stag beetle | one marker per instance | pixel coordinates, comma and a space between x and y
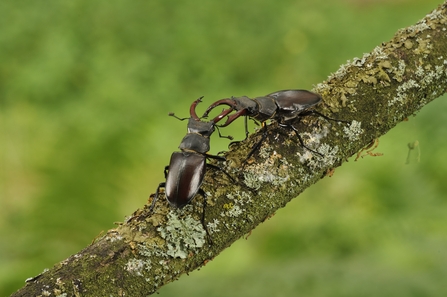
187, 168
282, 107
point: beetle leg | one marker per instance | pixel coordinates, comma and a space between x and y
166, 171
246, 130
314, 112
221, 169
258, 144
223, 136
220, 158
154, 200
300, 139
246, 127
202, 220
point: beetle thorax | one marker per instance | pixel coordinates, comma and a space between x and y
195, 142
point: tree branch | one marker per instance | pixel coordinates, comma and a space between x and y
374, 93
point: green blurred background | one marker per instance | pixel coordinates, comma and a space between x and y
85, 89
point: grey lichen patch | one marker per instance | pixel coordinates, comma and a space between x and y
425, 76
251, 180
232, 209
314, 138
353, 131
399, 71
135, 266
274, 170
240, 197
428, 74
330, 155
147, 252
182, 235
153, 262
305, 177
213, 226
403, 92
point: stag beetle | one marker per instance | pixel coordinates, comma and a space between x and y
282, 107
186, 170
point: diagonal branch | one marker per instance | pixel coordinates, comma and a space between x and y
374, 93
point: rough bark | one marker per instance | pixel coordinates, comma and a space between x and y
374, 93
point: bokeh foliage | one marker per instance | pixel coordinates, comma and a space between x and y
85, 87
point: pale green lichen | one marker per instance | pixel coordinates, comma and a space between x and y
251, 180
353, 131
241, 197
306, 156
182, 235
235, 207
329, 156
213, 227
234, 211
274, 171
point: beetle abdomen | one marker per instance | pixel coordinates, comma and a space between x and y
185, 176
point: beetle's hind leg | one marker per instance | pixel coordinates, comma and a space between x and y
202, 219
316, 113
297, 133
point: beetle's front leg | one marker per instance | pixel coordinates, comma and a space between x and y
154, 200
258, 144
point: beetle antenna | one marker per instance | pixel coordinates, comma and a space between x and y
171, 114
